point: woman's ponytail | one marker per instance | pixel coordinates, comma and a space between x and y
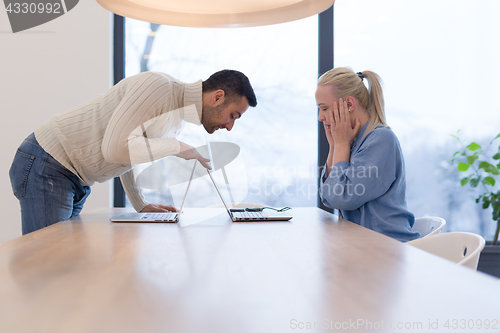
376, 105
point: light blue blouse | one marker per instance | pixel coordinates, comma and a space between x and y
370, 189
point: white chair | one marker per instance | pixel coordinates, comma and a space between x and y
462, 248
428, 226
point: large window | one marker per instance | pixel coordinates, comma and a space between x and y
439, 62
277, 162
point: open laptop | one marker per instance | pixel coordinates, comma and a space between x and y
249, 216
172, 217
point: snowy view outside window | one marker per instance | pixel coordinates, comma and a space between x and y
276, 165
440, 64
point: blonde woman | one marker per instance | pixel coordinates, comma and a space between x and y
364, 175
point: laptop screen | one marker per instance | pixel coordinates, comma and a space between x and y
220, 195
187, 188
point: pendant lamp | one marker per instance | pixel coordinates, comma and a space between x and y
216, 13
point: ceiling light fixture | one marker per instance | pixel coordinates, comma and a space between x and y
216, 13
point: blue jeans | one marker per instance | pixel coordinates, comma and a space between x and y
47, 191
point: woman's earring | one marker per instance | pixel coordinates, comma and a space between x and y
349, 110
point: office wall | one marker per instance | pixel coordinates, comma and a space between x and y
44, 71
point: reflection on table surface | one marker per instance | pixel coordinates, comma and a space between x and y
90, 275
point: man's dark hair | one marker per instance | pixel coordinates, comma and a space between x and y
233, 83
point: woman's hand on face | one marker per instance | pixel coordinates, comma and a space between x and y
340, 124
329, 136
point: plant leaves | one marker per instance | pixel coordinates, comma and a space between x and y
465, 180
495, 157
473, 146
490, 168
472, 158
462, 166
489, 181
474, 182
496, 137
454, 156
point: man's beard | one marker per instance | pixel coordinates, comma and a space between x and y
209, 115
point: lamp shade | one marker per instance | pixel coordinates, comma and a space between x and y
216, 13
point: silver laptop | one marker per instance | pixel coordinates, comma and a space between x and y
172, 217
249, 216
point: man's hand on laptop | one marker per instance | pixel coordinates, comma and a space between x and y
158, 208
189, 152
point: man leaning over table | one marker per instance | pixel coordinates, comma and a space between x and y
135, 121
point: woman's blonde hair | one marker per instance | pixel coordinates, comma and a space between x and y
346, 83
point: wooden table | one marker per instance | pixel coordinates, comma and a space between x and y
312, 274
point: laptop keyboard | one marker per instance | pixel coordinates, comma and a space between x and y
253, 215
158, 216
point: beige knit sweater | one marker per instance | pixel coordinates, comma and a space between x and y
134, 122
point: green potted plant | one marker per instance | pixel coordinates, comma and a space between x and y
481, 168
